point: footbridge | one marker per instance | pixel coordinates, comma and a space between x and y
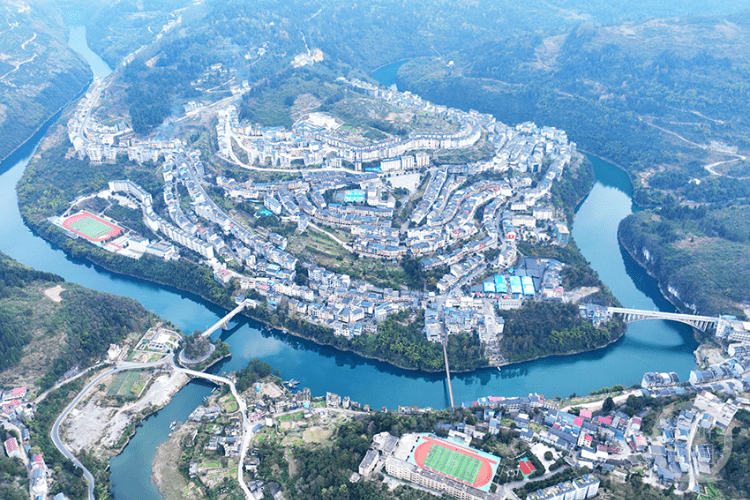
630, 315
222, 323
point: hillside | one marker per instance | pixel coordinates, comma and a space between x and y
646, 95
663, 99
700, 257
39, 73
48, 326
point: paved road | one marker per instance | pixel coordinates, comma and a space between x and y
43, 395
55, 432
691, 468
247, 435
332, 236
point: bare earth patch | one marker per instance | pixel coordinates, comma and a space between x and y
270, 390
316, 435
54, 293
164, 471
695, 242
93, 425
576, 295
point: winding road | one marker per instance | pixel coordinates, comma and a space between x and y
247, 435
55, 431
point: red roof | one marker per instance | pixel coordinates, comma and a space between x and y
586, 413
11, 445
605, 420
18, 390
588, 437
578, 421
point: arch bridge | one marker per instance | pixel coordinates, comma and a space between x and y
223, 322
701, 323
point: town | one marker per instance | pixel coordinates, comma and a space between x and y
342, 186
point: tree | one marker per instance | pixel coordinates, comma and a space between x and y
197, 346
548, 455
608, 405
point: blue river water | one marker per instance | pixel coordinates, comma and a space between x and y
646, 346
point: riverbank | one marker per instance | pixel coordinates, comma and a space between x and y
97, 427
53, 117
562, 355
198, 280
165, 472
675, 301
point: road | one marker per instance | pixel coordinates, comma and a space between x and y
247, 435
506, 490
691, 438
55, 431
709, 168
43, 395
234, 159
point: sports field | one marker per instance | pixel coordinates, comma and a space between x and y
455, 460
453, 463
91, 227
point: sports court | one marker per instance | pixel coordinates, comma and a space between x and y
91, 227
527, 468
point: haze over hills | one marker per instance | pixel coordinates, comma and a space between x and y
365, 35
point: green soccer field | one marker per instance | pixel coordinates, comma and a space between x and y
92, 228
453, 464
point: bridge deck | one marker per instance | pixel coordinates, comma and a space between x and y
663, 315
234, 312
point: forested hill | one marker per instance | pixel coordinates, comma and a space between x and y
48, 325
39, 73
178, 40
700, 256
646, 95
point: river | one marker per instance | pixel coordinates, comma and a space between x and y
646, 346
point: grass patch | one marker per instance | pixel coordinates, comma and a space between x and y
128, 384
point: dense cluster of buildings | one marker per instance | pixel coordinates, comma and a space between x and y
731, 376
613, 441
457, 220
448, 206
14, 409
316, 138
580, 488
